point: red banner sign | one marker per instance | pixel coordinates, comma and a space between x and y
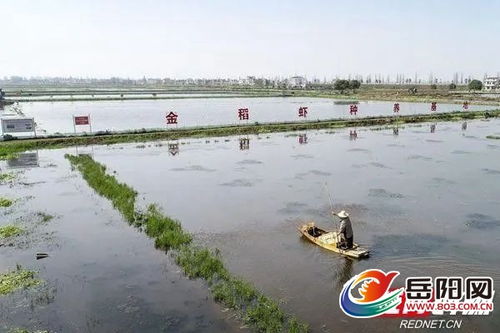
82, 120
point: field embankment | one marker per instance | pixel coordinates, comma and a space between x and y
11, 148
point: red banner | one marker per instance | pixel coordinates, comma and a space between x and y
82, 120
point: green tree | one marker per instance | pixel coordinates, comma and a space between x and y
341, 85
452, 86
475, 85
354, 84
434, 87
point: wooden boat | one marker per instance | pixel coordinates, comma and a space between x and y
329, 240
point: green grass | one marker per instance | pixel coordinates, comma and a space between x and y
266, 315
4, 202
10, 231
234, 293
17, 279
44, 217
9, 149
493, 137
196, 261
6, 177
23, 330
167, 232
121, 195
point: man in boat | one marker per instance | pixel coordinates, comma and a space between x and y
345, 230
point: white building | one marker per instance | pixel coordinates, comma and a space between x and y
297, 82
492, 83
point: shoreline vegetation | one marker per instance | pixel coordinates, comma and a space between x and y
17, 279
9, 149
367, 92
256, 309
450, 99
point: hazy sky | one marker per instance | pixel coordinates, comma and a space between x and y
231, 38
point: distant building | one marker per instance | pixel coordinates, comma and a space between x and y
297, 82
492, 83
248, 81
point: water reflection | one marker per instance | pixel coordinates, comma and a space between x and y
303, 139
245, 143
84, 150
23, 160
344, 273
464, 126
433, 128
173, 148
353, 134
395, 131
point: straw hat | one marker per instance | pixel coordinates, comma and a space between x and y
343, 214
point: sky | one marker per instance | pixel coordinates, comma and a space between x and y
235, 38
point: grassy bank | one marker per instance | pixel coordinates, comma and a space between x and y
98, 98
197, 262
380, 92
9, 149
402, 95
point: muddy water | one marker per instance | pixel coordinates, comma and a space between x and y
101, 274
149, 114
424, 199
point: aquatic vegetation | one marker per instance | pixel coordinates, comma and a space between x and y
4, 202
9, 149
44, 217
493, 137
17, 279
121, 195
234, 293
23, 330
9, 231
167, 232
265, 315
295, 326
6, 177
196, 262
201, 263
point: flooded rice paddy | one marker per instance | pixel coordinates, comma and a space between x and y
150, 114
423, 198
101, 274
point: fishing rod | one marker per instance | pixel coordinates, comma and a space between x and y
330, 199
